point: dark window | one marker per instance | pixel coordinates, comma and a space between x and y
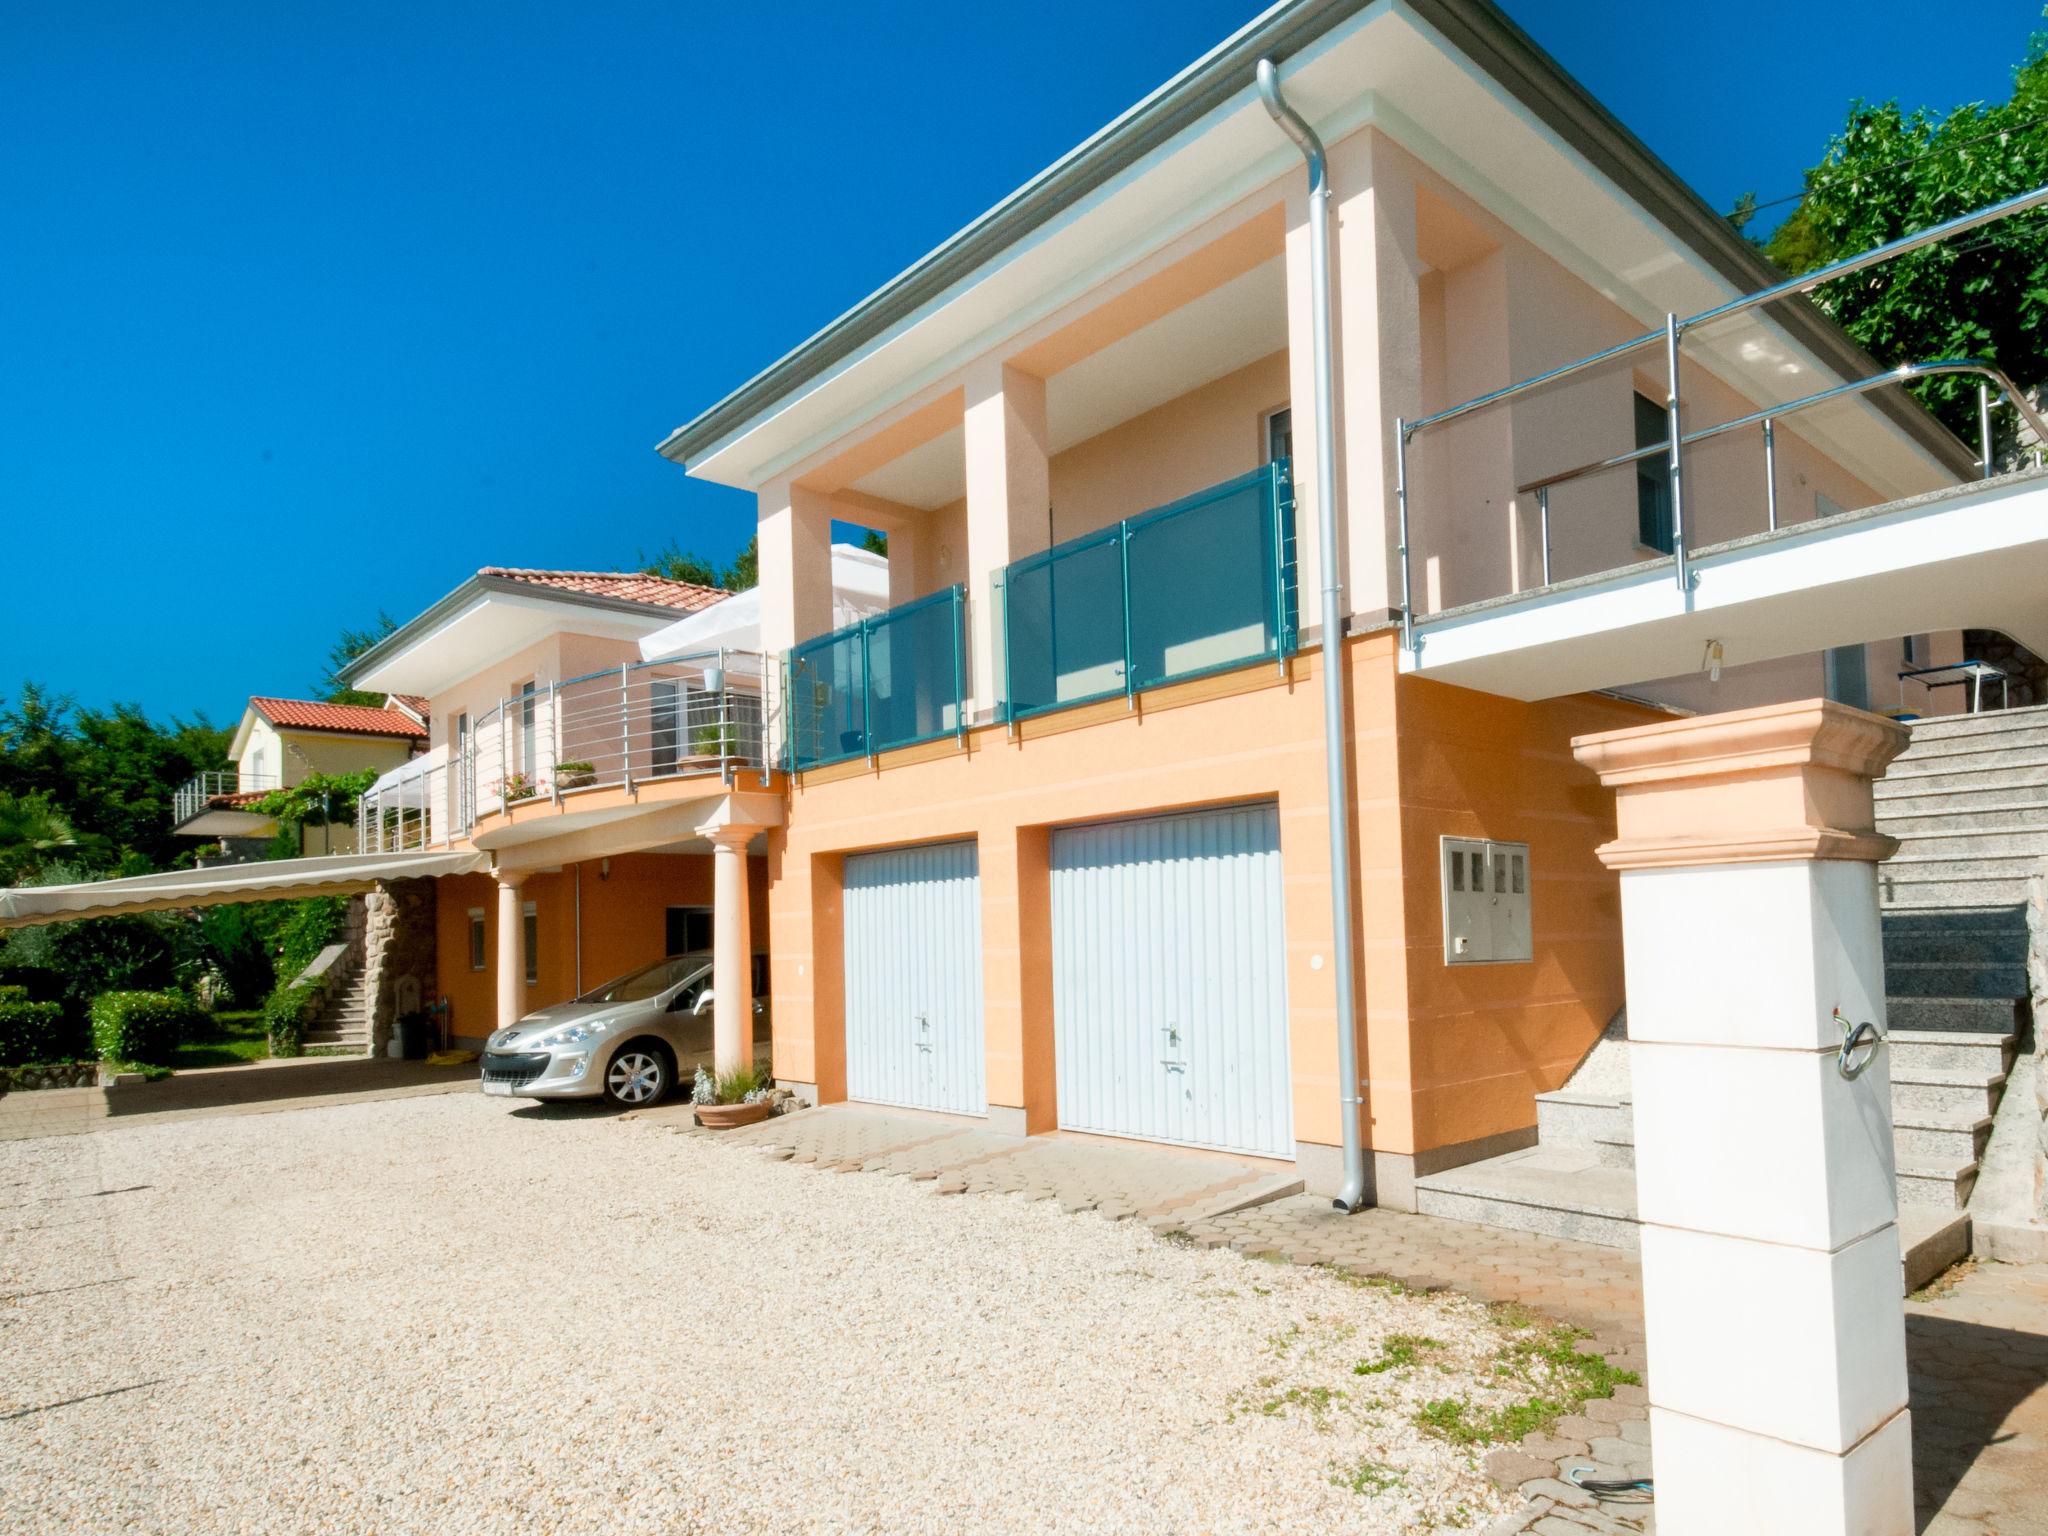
476, 938
1653, 480
528, 757
532, 921
689, 930
1279, 436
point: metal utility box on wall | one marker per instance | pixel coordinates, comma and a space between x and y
1486, 901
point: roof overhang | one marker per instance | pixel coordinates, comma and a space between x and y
1454, 82
346, 874
482, 621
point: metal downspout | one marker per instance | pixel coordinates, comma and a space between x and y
1335, 733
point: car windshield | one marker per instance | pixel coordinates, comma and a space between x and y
648, 981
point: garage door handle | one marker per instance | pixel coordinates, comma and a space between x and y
1173, 1066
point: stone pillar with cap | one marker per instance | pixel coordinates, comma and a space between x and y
1765, 1183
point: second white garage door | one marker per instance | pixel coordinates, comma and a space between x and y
1169, 980
912, 920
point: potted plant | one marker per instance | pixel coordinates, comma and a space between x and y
517, 786
740, 1097
575, 775
715, 740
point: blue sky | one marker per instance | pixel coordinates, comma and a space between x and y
305, 314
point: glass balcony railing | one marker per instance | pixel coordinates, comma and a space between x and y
889, 681
1202, 585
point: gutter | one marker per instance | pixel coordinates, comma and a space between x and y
1337, 780
1476, 28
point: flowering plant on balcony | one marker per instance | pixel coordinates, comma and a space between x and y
518, 786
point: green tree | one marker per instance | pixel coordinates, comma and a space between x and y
674, 563
32, 833
1984, 294
351, 644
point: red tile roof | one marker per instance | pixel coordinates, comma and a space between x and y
356, 719
627, 586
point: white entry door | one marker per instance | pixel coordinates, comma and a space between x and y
1169, 980
912, 918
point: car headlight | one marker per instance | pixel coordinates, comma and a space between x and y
572, 1034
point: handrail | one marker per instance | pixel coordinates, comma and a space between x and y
1905, 373
1672, 334
1806, 282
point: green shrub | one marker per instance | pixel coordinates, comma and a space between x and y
40, 983
10, 994
143, 1026
237, 946
286, 1015
33, 1032
308, 927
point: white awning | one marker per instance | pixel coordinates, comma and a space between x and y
341, 874
860, 587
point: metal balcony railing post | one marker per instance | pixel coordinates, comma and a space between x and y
626, 725
867, 715
1543, 528
504, 757
1276, 474
1401, 430
1674, 440
959, 606
1770, 475
1984, 427
1123, 545
555, 746
999, 582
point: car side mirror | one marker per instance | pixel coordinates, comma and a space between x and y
703, 1001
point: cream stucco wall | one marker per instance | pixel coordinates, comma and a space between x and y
272, 757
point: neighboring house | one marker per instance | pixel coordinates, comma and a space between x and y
278, 745
582, 772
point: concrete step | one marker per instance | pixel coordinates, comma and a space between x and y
1934, 978
1918, 815
1930, 1240
1945, 727
1917, 1052
1568, 1119
1910, 890
1991, 797
1970, 843
1969, 775
2022, 750
1918, 1137
2002, 947
1558, 1192
1944, 1185
1944, 1094
1988, 1015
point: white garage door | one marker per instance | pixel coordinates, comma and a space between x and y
913, 978
1169, 980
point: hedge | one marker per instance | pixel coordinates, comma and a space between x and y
286, 1015
143, 1026
42, 983
33, 1032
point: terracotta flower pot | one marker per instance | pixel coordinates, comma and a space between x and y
723, 1117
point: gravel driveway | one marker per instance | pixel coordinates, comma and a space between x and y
437, 1314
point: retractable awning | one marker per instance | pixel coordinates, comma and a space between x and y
341, 874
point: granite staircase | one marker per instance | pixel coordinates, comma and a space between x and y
342, 1026
1968, 802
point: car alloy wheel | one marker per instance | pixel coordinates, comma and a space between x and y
635, 1077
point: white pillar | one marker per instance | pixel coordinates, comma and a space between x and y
1764, 1174
732, 950
511, 948
1009, 501
795, 558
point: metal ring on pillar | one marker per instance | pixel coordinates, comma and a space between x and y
1854, 1036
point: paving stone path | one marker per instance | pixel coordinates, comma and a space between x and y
1977, 1350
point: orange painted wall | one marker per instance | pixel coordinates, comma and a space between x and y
1451, 1056
624, 924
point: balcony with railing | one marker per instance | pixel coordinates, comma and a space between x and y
202, 791
1205, 584
892, 680
699, 717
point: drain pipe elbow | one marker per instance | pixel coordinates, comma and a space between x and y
1350, 1100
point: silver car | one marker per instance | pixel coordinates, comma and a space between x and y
632, 1040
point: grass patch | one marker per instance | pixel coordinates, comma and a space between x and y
227, 1040
1400, 1351
1368, 1477
149, 1073
1360, 1282
1313, 1401
1548, 1362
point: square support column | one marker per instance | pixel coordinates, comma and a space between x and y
1009, 503
511, 948
1764, 1164
795, 557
